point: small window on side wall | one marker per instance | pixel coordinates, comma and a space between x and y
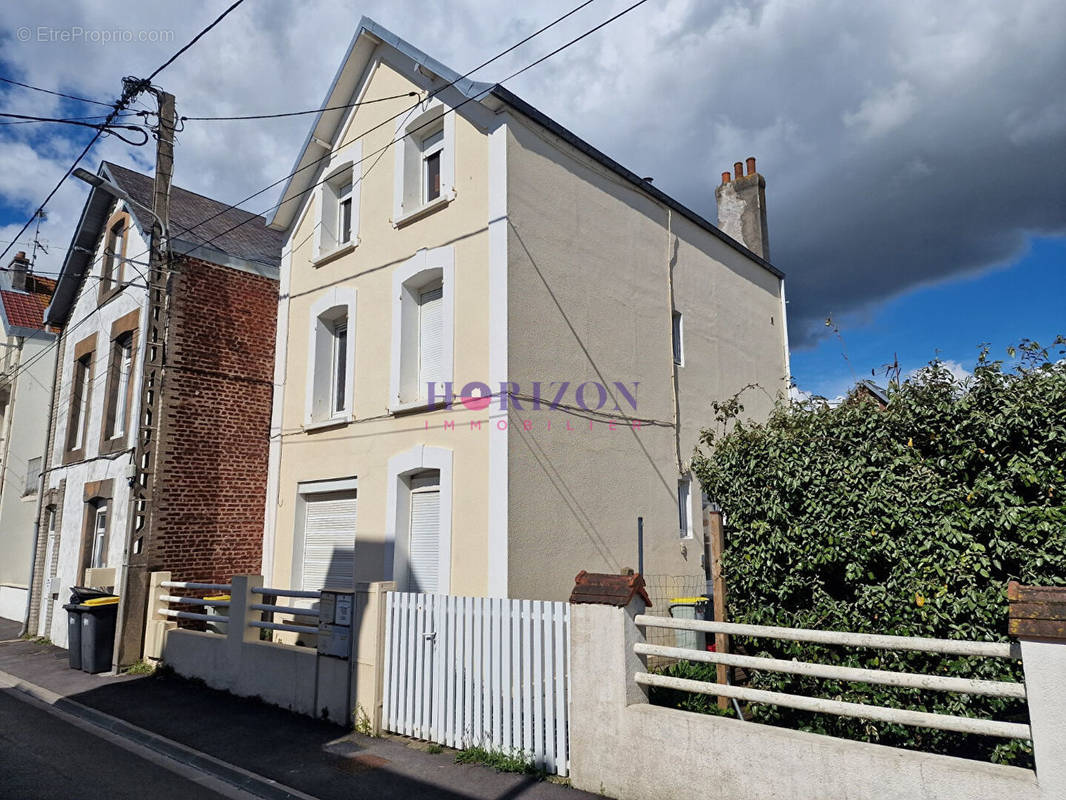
114, 253
684, 506
678, 343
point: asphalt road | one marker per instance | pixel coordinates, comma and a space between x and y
44, 756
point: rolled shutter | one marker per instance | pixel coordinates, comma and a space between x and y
430, 338
329, 541
424, 550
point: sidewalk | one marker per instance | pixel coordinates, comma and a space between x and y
312, 757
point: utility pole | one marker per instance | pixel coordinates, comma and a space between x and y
139, 551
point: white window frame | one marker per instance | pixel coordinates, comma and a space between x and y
409, 201
100, 507
424, 269
684, 512
125, 375
401, 466
327, 309
82, 379
677, 337
344, 169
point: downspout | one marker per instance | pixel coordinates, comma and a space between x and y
671, 251
784, 340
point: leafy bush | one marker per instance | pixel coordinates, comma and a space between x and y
907, 520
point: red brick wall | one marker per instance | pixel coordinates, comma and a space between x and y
211, 482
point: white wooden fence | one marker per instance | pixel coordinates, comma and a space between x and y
491, 672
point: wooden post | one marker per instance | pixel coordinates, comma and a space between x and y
715, 538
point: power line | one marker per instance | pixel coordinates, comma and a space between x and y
432, 94
299, 113
193, 41
103, 127
130, 90
476, 96
57, 94
27, 120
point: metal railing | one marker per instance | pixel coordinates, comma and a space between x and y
195, 601
294, 611
1009, 730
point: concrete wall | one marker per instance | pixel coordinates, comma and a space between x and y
363, 446
622, 747
25, 440
595, 269
285, 675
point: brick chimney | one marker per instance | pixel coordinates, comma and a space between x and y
18, 270
742, 207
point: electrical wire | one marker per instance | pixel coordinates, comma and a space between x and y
407, 110
299, 113
57, 94
407, 133
103, 127
28, 120
193, 41
587, 33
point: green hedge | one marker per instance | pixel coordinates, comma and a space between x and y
907, 520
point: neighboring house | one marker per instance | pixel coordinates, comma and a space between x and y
210, 474
27, 364
491, 247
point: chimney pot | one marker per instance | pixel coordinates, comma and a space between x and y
738, 169
725, 177
742, 208
751, 165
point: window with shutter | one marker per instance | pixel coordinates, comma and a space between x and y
424, 547
328, 558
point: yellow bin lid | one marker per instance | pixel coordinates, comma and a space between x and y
217, 597
101, 601
688, 600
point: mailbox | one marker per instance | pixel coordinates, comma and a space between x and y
335, 623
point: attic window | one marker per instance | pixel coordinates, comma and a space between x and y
337, 204
425, 163
114, 254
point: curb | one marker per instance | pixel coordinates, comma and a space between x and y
196, 760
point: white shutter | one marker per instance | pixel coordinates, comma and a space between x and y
430, 338
329, 541
424, 549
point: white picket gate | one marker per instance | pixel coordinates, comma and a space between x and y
493, 672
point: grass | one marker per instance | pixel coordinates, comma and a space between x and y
499, 761
35, 639
434, 749
141, 667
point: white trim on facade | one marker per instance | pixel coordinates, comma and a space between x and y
498, 542
273, 487
784, 340
423, 267
418, 458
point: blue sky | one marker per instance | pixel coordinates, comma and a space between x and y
948, 320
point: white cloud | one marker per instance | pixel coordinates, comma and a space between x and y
846, 105
884, 111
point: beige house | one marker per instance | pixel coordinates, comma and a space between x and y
447, 242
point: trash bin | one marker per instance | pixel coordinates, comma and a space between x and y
98, 633
217, 611
78, 595
689, 608
73, 634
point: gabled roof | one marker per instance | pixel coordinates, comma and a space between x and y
26, 309
251, 246
327, 125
